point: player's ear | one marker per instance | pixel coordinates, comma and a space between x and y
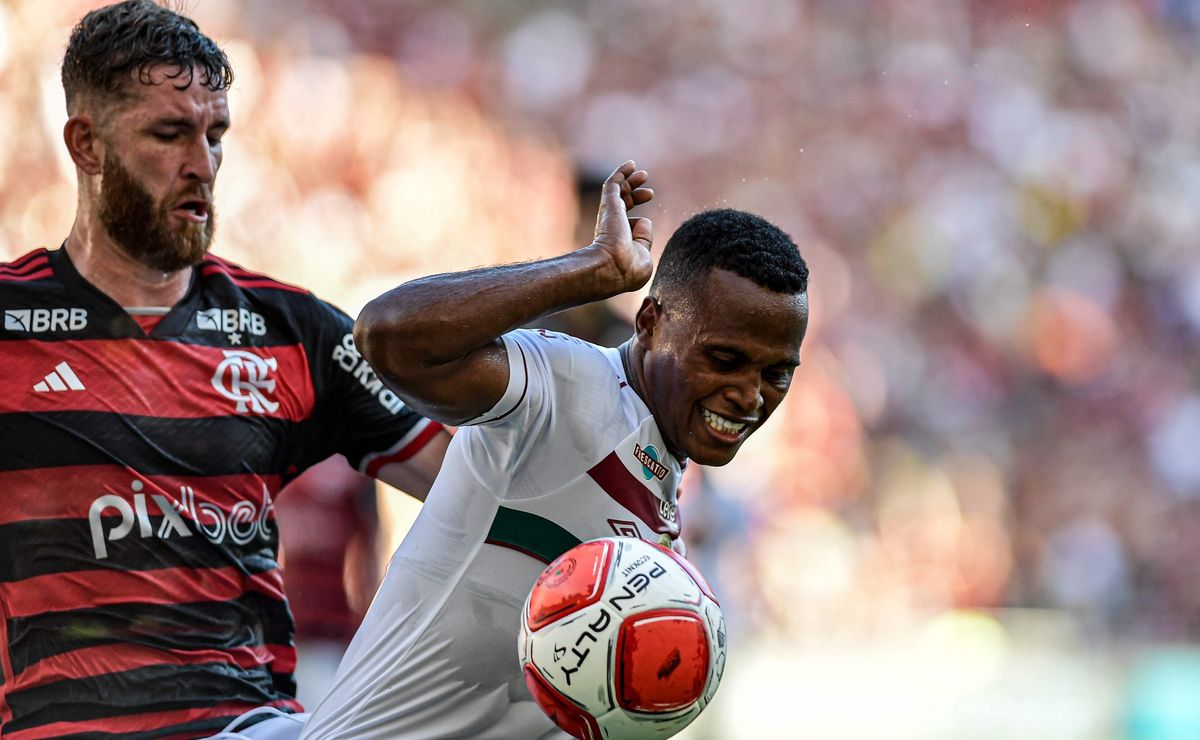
647, 319
80, 136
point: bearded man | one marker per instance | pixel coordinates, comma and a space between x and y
154, 401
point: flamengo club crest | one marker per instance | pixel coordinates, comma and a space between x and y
244, 377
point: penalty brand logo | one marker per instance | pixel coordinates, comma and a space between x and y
244, 377
648, 456
636, 582
244, 521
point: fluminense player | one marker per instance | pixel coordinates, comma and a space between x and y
153, 402
560, 441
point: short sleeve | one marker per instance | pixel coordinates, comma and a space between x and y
356, 415
520, 373
560, 398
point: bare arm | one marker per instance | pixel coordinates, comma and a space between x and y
415, 475
435, 340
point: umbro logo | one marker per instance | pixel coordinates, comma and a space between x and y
63, 378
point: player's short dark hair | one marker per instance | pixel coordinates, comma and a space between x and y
135, 36
740, 242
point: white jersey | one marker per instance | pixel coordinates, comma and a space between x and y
569, 454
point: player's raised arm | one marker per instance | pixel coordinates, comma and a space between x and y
435, 340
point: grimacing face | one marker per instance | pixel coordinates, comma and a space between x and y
144, 229
718, 362
162, 153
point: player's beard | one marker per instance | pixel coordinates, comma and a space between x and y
145, 230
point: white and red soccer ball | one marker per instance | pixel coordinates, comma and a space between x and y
622, 638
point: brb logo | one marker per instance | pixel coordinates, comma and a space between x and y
245, 520
244, 377
231, 319
45, 319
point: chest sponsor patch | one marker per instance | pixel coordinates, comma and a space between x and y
38, 320
648, 457
245, 521
231, 320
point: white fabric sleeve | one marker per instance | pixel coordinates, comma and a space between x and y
561, 397
517, 391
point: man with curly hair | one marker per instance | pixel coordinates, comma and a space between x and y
155, 400
560, 441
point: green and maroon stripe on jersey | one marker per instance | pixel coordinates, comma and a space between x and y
624, 488
530, 534
541, 538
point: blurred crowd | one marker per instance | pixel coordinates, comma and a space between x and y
999, 401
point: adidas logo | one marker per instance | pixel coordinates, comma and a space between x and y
62, 379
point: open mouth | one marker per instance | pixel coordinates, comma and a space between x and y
193, 209
724, 427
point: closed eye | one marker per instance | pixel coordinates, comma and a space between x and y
723, 361
778, 378
779, 375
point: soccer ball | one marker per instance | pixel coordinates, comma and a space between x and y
622, 638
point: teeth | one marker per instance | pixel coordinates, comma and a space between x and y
721, 424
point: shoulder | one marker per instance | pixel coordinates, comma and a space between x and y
547, 341
214, 268
569, 367
260, 292
28, 268
561, 353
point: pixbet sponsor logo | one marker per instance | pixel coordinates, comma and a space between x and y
347, 358
244, 522
648, 457
38, 320
245, 377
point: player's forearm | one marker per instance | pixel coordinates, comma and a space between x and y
434, 321
415, 475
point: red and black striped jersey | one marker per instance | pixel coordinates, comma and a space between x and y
140, 591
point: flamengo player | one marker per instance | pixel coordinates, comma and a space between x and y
562, 441
154, 401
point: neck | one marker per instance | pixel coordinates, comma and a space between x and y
103, 263
633, 359
632, 356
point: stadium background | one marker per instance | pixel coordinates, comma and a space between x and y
976, 514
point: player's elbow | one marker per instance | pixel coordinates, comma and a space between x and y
379, 332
